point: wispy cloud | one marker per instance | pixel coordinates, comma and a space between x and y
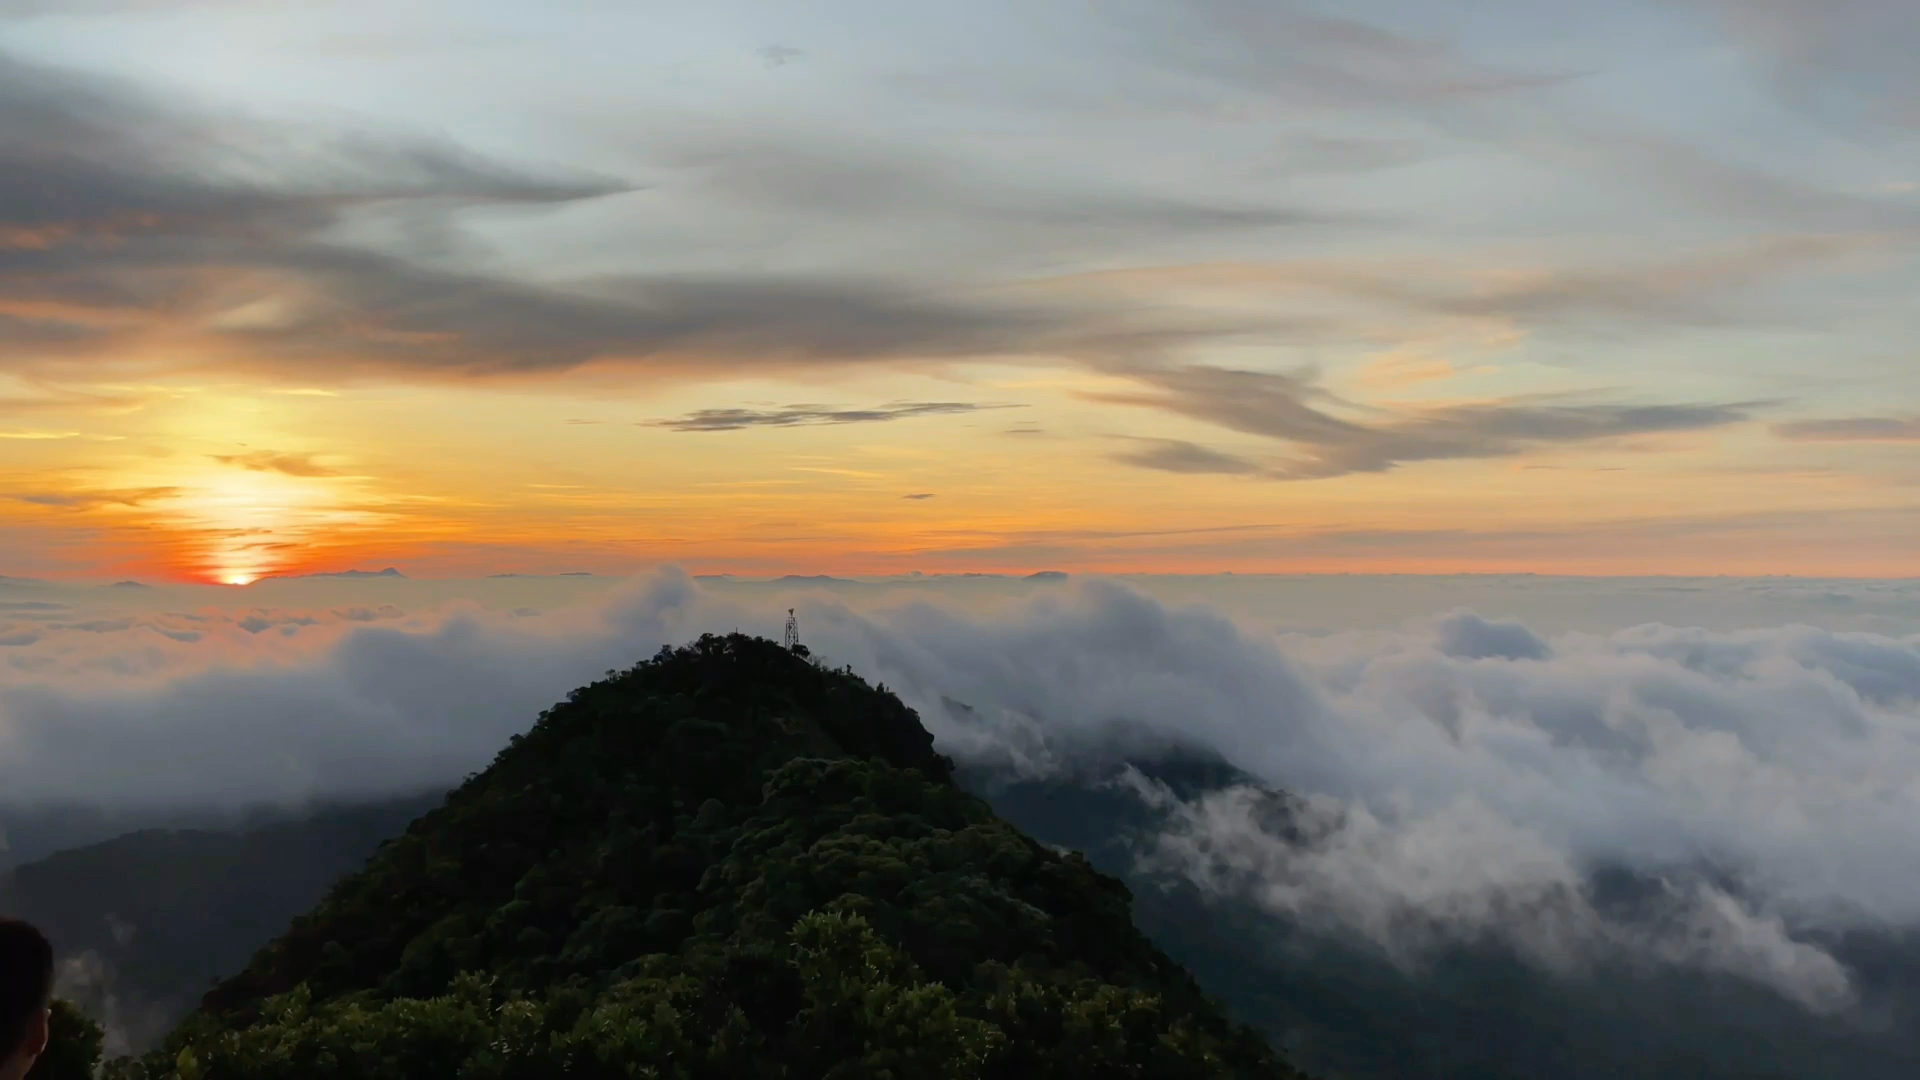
155, 228
1179, 456
1852, 429
125, 218
854, 180
270, 461
30, 8
1709, 285
1823, 55
1294, 410
89, 500
809, 415
1288, 50
775, 56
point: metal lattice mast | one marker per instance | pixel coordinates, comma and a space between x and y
792, 640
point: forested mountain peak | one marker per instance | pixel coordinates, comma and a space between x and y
724, 861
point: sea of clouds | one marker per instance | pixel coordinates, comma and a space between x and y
1458, 775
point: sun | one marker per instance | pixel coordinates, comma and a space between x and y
244, 525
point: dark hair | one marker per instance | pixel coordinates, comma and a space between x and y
26, 981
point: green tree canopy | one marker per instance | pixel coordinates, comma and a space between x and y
724, 862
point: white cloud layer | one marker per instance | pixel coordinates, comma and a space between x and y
1461, 776
1465, 778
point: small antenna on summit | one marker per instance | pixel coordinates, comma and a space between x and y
792, 640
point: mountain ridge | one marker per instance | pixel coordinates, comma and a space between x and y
1475, 1009
146, 918
724, 861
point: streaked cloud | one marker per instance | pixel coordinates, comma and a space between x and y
811, 415
1179, 456
1328, 443
844, 177
1360, 237
1852, 429
269, 461
1854, 55
1294, 51
30, 8
125, 220
94, 499
780, 55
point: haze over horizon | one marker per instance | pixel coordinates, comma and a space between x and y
861, 288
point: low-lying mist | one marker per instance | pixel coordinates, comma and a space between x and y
1458, 777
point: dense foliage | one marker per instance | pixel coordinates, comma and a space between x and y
725, 862
73, 1045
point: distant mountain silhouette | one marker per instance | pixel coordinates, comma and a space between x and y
389, 572
1049, 575
147, 919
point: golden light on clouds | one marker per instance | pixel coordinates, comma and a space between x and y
242, 516
980, 340
192, 473
236, 525
232, 485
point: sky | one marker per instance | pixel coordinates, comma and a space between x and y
1171, 286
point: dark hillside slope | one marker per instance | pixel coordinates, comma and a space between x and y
725, 862
152, 917
1476, 1010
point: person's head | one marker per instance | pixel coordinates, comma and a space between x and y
26, 987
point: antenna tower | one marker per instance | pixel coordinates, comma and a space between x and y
792, 639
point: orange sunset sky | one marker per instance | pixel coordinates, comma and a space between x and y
292, 288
